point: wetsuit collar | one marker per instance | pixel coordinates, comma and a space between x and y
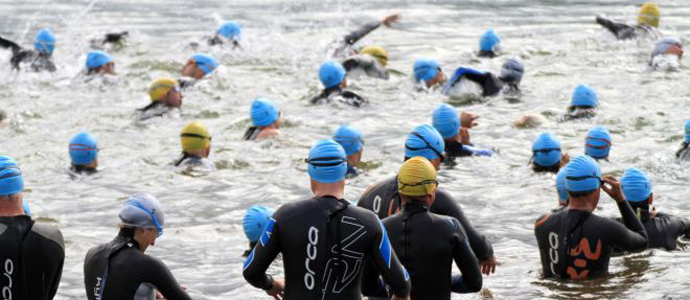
414, 207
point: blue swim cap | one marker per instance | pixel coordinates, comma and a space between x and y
206, 62
446, 121
687, 131
425, 69
584, 95
44, 41
230, 30
11, 178
255, 221
327, 162
350, 138
143, 210
546, 150
27, 209
95, 59
662, 46
331, 73
489, 40
582, 174
83, 149
560, 185
598, 142
512, 71
424, 141
636, 185
263, 112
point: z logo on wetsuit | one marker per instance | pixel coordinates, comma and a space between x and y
340, 281
583, 247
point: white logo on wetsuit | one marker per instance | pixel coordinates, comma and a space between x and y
7, 290
351, 262
377, 204
553, 251
97, 288
313, 237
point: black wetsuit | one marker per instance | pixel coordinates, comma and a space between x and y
325, 244
489, 83
625, 31
454, 150
343, 47
188, 160
31, 259
119, 270
366, 64
579, 112
337, 94
427, 244
251, 133
684, 152
81, 169
38, 61
487, 53
575, 244
663, 230
384, 200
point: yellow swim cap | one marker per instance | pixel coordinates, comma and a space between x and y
649, 15
161, 87
377, 52
195, 137
417, 177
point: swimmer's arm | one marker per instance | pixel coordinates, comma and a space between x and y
361, 32
264, 253
632, 237
7, 44
471, 279
386, 262
620, 30
53, 269
372, 285
160, 276
447, 207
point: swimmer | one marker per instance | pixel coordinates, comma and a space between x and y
196, 146
454, 128
666, 55
598, 143
83, 151
165, 95
120, 269
371, 60
35, 251
332, 75
99, 63
343, 47
485, 82
40, 58
426, 243
198, 66
546, 154
684, 152
301, 230
662, 229
266, 120
489, 44
113, 38
576, 244
383, 198
428, 73
228, 33
647, 24
352, 141
583, 103
254, 223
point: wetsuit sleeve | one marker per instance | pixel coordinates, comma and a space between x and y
632, 237
164, 281
447, 207
264, 253
681, 226
47, 260
471, 279
620, 30
361, 32
386, 262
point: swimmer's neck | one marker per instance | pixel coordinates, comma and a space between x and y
336, 189
582, 203
11, 207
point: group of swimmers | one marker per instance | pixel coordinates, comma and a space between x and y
399, 240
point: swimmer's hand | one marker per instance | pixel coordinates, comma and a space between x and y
467, 120
565, 159
488, 267
400, 298
277, 290
613, 188
389, 20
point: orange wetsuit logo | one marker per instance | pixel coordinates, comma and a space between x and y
583, 249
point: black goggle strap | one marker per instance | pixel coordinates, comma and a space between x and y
580, 178
428, 146
545, 150
425, 182
194, 135
325, 161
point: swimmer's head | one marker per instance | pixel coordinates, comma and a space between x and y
167, 91
83, 150
143, 211
668, 45
428, 71
100, 62
425, 141
489, 41
331, 74
687, 131
512, 71
560, 186
649, 15
349, 138
11, 177
598, 142
584, 96
636, 185
44, 41
199, 65
195, 137
582, 175
546, 150
230, 30
264, 112
417, 177
446, 121
327, 162
255, 221
377, 52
